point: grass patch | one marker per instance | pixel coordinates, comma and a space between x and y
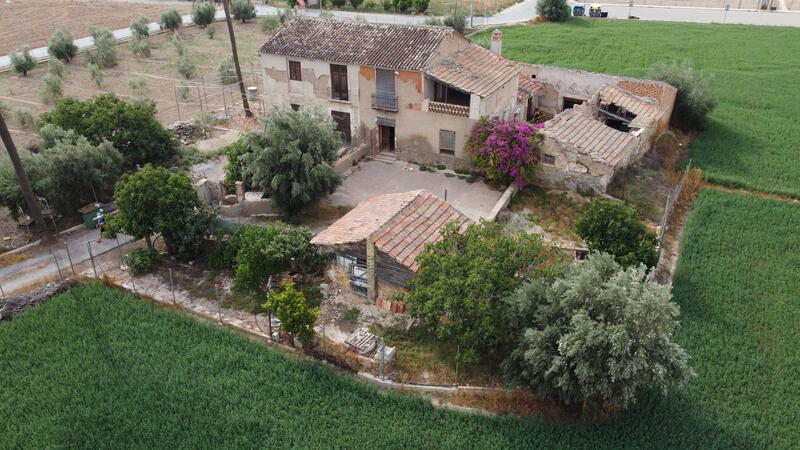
95, 367
555, 213
751, 139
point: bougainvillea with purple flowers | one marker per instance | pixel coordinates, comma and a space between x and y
505, 151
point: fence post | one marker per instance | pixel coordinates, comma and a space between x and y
66, 246
171, 286
383, 355
91, 257
219, 303
53, 254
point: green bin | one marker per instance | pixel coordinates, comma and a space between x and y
88, 213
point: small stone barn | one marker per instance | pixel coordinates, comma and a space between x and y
376, 244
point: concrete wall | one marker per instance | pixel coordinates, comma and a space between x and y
314, 89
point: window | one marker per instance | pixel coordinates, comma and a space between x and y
342, 120
295, 106
570, 102
443, 93
294, 71
549, 159
447, 142
339, 82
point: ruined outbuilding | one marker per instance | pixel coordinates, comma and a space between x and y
376, 244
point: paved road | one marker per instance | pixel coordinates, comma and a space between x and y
41, 266
517, 13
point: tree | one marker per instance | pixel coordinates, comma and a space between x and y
66, 169
292, 309
356, 3
462, 279
185, 233
22, 62
505, 151
616, 228
339, 3
269, 24
96, 74
226, 72
420, 6
104, 53
140, 47
55, 67
271, 250
131, 127
456, 20
211, 30
153, 201
139, 27
292, 159
52, 89
596, 336
694, 100
203, 13
60, 46
243, 10
22, 180
553, 10
185, 66
170, 20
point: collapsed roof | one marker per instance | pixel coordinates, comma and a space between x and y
589, 136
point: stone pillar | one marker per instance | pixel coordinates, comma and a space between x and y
372, 271
239, 191
496, 45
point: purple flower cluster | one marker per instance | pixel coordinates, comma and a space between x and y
507, 151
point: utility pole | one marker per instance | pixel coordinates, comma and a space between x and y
245, 103
27, 192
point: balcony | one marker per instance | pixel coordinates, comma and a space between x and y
384, 102
448, 108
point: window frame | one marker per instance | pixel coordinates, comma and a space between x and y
295, 71
442, 148
339, 85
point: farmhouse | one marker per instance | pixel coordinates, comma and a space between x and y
416, 91
376, 244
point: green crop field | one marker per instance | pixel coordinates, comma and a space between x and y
96, 368
753, 140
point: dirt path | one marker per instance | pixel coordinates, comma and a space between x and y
32, 22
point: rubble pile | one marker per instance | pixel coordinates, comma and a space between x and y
184, 132
16, 304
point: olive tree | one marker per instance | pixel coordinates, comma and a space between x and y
104, 53
596, 336
291, 161
22, 62
170, 20
243, 10
553, 10
694, 100
203, 13
61, 46
139, 27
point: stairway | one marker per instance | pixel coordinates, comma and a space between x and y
386, 157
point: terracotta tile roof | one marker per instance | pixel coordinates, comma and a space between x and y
405, 236
643, 89
365, 219
589, 136
475, 70
399, 224
643, 108
527, 88
405, 47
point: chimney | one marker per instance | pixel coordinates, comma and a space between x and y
496, 46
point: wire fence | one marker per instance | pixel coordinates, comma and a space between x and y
671, 200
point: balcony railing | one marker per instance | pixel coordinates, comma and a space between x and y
447, 108
384, 102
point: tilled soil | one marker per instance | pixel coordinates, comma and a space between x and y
32, 22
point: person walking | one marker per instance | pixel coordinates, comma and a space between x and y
100, 220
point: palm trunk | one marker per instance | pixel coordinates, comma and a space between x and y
245, 103
24, 183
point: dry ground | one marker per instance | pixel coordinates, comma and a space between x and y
158, 71
32, 22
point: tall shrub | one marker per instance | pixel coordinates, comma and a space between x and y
293, 310
52, 89
616, 228
553, 10
505, 151
694, 100
55, 67
139, 27
456, 20
104, 53
226, 72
